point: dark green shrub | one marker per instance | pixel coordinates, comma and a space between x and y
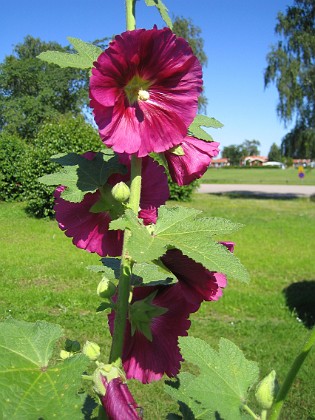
183, 193
12, 153
66, 135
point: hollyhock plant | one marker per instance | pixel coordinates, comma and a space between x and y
88, 222
191, 161
144, 91
196, 282
148, 358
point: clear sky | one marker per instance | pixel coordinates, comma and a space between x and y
238, 35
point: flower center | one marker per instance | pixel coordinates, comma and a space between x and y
137, 90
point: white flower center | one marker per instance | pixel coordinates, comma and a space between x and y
143, 95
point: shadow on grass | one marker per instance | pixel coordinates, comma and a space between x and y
300, 297
258, 194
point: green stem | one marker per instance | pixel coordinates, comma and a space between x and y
125, 269
130, 15
285, 388
249, 411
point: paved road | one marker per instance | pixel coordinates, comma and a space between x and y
259, 189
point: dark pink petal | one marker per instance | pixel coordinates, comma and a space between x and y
197, 283
147, 360
195, 161
118, 401
166, 69
88, 230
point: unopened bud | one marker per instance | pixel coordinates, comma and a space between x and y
91, 350
72, 346
121, 192
106, 289
64, 354
266, 390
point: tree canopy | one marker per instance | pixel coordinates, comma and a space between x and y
274, 154
235, 153
32, 91
291, 63
299, 143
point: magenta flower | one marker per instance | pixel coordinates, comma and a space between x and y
118, 401
144, 91
90, 230
193, 163
196, 282
147, 360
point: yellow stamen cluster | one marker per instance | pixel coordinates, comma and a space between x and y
137, 90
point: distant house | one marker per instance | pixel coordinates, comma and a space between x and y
220, 163
301, 162
254, 160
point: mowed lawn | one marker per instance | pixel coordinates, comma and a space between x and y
43, 277
288, 176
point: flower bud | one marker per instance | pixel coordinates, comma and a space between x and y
72, 346
121, 192
64, 354
266, 390
106, 289
91, 350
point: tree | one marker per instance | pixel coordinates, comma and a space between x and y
299, 143
291, 63
234, 153
250, 148
33, 91
274, 154
186, 29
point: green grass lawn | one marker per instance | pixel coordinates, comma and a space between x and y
43, 276
276, 176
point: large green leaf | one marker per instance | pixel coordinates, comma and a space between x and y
221, 387
82, 176
179, 228
162, 10
202, 120
31, 387
87, 54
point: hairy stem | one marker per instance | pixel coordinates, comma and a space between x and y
125, 268
285, 388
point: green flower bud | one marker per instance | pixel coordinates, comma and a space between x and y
91, 350
121, 192
109, 372
267, 390
106, 289
64, 354
72, 346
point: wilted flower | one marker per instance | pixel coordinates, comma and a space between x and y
88, 222
144, 91
190, 160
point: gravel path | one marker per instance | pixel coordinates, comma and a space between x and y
259, 190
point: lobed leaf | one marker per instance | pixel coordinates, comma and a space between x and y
31, 387
195, 129
87, 54
221, 388
162, 10
82, 176
177, 227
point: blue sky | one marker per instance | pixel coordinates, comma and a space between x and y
238, 35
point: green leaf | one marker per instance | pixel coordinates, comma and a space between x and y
221, 387
153, 274
177, 227
87, 54
162, 10
142, 246
30, 386
202, 120
82, 176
